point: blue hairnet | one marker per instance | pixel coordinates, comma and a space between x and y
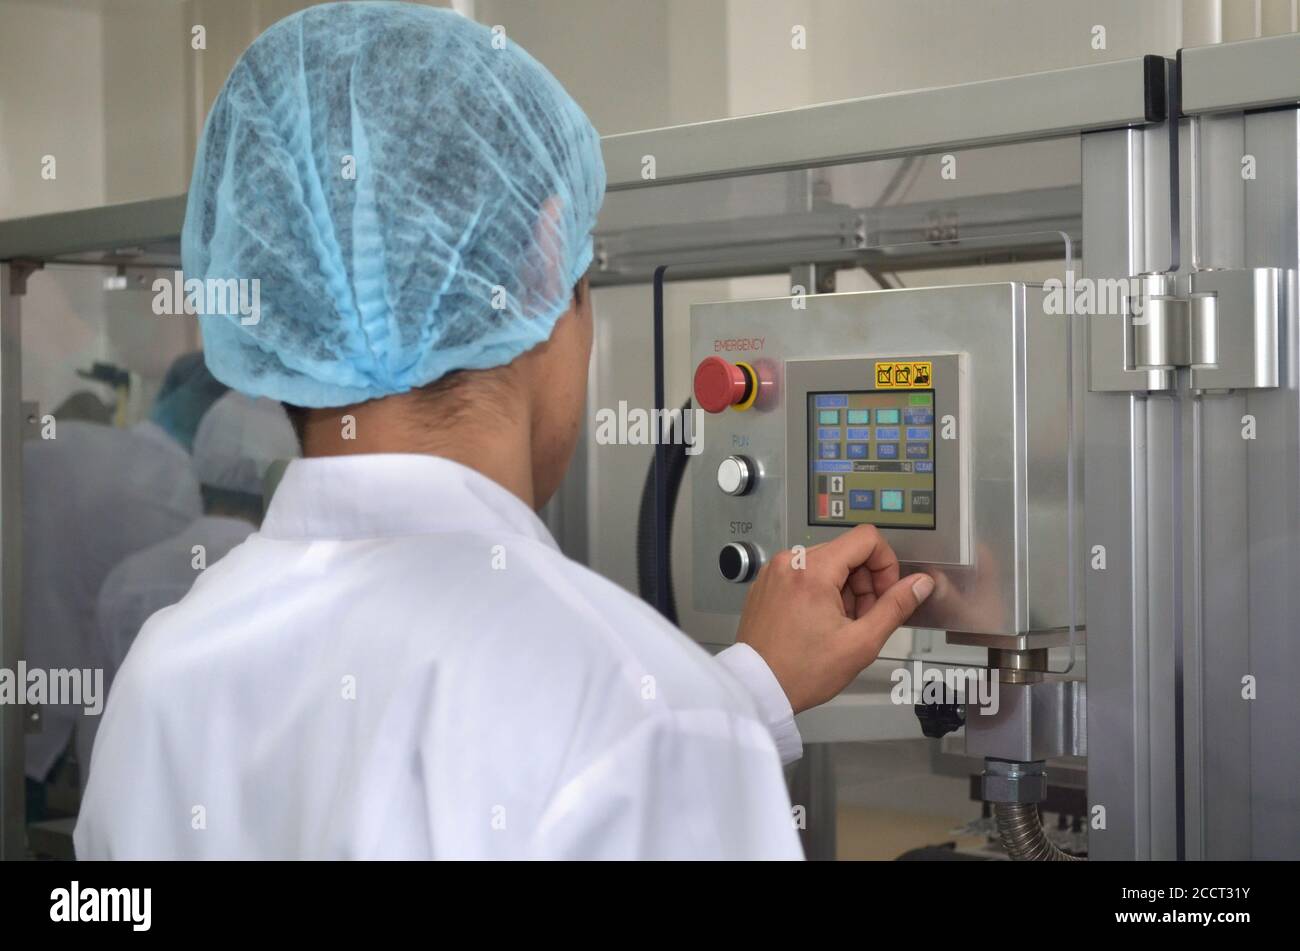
414, 194
187, 391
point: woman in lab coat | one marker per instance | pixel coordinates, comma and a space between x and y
401, 663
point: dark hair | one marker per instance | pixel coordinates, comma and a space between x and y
297, 419
232, 503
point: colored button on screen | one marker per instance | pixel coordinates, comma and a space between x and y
859, 417
828, 450
862, 499
918, 450
887, 450
828, 417
886, 432
888, 417
891, 500
857, 450
923, 502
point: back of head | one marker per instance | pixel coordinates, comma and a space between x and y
187, 391
237, 442
413, 193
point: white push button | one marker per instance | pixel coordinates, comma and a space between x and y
735, 475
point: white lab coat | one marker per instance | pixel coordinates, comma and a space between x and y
91, 496
145, 583
401, 664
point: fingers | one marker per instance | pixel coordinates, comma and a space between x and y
893, 607
860, 592
861, 546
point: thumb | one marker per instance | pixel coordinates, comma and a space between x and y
867, 635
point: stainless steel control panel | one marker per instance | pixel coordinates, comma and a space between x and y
937, 414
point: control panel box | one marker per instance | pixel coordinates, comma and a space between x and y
939, 415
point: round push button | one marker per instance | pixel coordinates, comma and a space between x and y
735, 475
737, 561
720, 383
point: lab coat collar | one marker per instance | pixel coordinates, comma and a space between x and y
388, 495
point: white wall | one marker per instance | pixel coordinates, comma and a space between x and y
51, 103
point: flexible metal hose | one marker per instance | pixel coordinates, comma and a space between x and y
1023, 836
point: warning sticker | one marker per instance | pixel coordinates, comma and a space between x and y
903, 374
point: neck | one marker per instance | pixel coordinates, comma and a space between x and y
496, 444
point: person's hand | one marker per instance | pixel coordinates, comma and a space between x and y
818, 617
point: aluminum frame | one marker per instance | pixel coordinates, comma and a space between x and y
1123, 93
13, 834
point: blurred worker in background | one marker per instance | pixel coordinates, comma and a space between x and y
236, 443
401, 663
92, 495
85, 406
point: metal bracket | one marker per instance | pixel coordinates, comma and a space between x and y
1223, 326
1250, 306
1032, 721
20, 270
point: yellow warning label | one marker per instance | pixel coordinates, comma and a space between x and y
904, 375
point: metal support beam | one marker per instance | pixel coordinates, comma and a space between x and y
1131, 475
1250, 74
13, 844
1123, 93
1242, 541
812, 787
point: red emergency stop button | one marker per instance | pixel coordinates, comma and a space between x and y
720, 383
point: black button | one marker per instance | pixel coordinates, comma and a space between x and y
737, 561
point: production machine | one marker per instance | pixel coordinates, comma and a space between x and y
943, 416
1105, 491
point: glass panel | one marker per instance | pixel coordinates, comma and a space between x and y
141, 472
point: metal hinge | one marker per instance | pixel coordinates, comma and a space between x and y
1223, 326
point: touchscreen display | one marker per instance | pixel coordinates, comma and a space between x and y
871, 455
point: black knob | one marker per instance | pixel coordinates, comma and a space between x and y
940, 719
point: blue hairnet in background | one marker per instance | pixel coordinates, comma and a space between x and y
414, 193
187, 391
